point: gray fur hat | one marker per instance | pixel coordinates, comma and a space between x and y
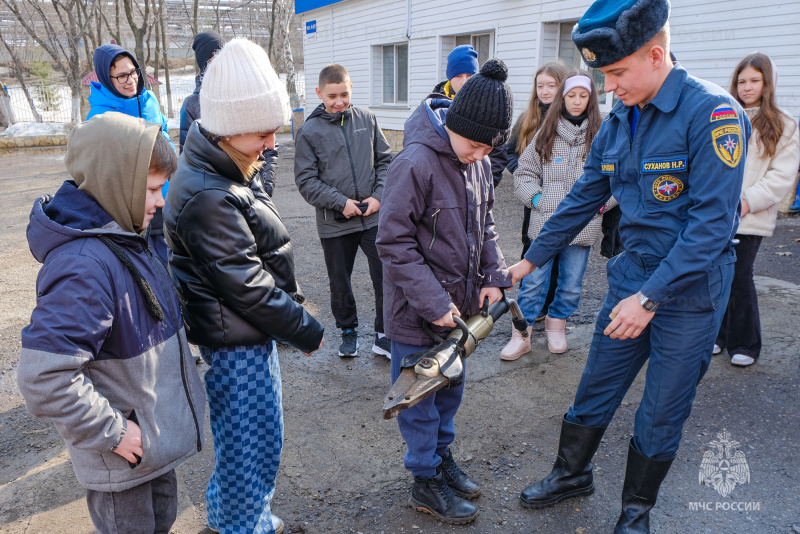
612, 30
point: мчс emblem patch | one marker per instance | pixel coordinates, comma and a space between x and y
723, 112
667, 188
588, 55
728, 144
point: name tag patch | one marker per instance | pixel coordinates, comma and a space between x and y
667, 188
661, 165
723, 112
608, 168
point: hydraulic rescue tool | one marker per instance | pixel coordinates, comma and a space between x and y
427, 371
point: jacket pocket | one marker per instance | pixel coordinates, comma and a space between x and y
663, 179
132, 417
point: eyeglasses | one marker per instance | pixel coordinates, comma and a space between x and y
123, 78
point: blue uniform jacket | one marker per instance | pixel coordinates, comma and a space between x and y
678, 182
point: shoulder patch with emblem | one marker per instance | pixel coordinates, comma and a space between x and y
728, 144
608, 167
724, 112
667, 187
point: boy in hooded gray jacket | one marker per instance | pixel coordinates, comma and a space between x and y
105, 357
341, 157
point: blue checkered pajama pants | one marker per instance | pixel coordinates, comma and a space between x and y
245, 406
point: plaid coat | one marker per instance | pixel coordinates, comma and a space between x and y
554, 179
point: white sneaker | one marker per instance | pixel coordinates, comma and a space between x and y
717, 349
277, 525
741, 360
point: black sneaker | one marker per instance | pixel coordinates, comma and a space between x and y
349, 346
382, 346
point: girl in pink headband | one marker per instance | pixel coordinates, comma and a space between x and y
547, 170
578, 80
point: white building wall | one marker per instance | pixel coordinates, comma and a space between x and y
709, 38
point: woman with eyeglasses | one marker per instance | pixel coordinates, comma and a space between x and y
121, 88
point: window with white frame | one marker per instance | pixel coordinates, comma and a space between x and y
482, 42
567, 52
390, 71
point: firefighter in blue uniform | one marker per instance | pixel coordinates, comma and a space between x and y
671, 151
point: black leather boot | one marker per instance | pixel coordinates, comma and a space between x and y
434, 496
572, 472
458, 480
643, 477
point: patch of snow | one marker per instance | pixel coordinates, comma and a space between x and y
35, 129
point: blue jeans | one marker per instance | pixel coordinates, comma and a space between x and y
677, 342
533, 289
427, 427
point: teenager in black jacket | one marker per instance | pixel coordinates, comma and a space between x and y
233, 267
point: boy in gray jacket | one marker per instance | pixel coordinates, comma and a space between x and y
105, 357
340, 165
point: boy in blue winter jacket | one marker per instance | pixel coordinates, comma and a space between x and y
105, 356
440, 255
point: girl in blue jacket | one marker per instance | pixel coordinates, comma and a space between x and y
121, 87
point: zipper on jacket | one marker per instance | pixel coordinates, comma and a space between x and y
435, 218
158, 263
352, 168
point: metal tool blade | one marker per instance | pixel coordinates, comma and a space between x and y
408, 390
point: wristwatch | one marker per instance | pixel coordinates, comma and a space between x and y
646, 303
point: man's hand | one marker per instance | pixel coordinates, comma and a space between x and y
374, 205
350, 209
629, 319
520, 270
745, 208
131, 443
447, 318
313, 351
493, 293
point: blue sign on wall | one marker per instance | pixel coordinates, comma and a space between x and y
301, 6
311, 29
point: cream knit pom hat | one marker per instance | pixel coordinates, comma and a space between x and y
241, 93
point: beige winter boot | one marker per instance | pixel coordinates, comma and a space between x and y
517, 346
556, 340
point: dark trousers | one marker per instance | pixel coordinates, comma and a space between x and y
340, 256
526, 223
677, 342
149, 508
741, 327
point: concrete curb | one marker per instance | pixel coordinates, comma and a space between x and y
33, 141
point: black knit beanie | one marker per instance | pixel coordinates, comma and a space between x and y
482, 109
205, 45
